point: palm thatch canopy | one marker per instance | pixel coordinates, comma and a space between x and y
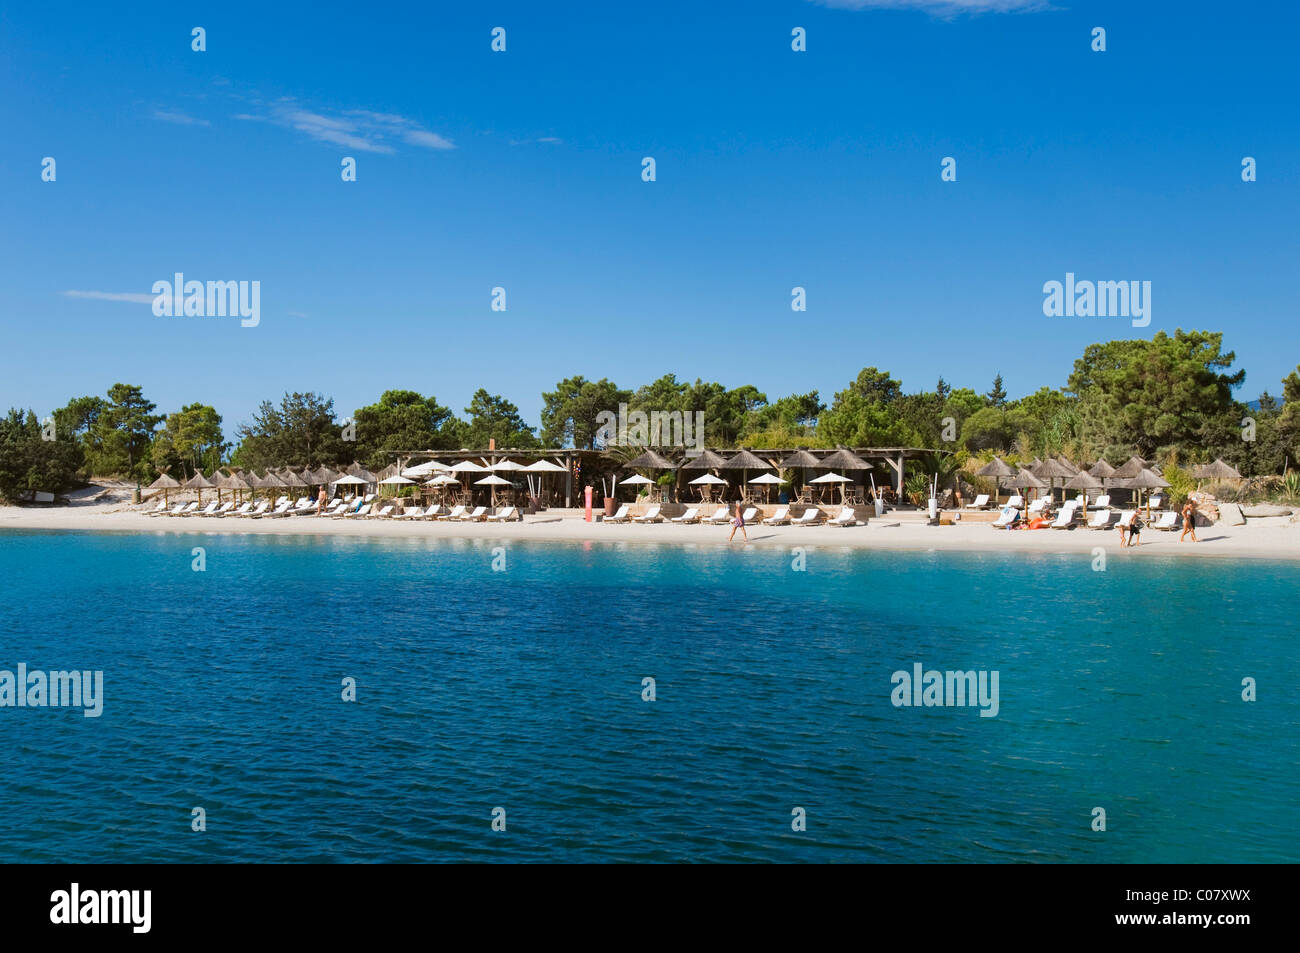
292, 479
996, 467
745, 460
357, 470
650, 460
164, 482
1101, 469
845, 460
198, 482
1083, 480
237, 481
1218, 470
1049, 469
1129, 470
1025, 480
708, 460
1066, 463
1146, 480
800, 458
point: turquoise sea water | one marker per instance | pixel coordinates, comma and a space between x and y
522, 689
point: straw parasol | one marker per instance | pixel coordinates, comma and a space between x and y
1130, 469
1218, 470
292, 479
1146, 480
1025, 480
1051, 471
198, 482
845, 460
1067, 464
999, 470
1101, 469
164, 483
650, 460
1084, 481
744, 461
801, 459
705, 460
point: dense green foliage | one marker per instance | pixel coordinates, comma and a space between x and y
1170, 397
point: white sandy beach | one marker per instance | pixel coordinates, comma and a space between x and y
1274, 538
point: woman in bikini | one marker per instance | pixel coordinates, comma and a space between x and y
1189, 521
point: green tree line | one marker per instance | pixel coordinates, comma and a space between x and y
1171, 394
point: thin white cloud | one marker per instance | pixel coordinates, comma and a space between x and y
551, 140
180, 118
111, 296
358, 129
940, 7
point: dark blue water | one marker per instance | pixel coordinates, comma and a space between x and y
522, 689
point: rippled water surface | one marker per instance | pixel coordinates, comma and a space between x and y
522, 689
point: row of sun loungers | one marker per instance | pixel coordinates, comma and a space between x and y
812, 516
1069, 518
360, 508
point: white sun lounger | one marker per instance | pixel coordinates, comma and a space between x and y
981, 502
477, 516
620, 517
1168, 521
456, 513
1016, 502
1157, 502
1009, 515
1036, 507
720, 515
222, 510
846, 518
1065, 518
386, 512
434, 512
158, 510
692, 515
185, 509
1126, 518
362, 512
413, 513
811, 517
1100, 520
650, 516
750, 514
508, 514
1103, 502
781, 518
206, 511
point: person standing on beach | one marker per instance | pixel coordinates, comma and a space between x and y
1189, 521
320, 501
738, 523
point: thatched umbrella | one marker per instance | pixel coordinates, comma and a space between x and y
1218, 470
164, 483
1130, 469
1025, 480
801, 459
1146, 480
999, 470
1051, 471
198, 482
651, 460
705, 460
744, 461
292, 479
237, 482
1067, 464
1084, 481
1101, 469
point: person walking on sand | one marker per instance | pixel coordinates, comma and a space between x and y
1135, 530
738, 523
320, 502
1189, 521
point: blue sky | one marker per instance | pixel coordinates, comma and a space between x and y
522, 170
